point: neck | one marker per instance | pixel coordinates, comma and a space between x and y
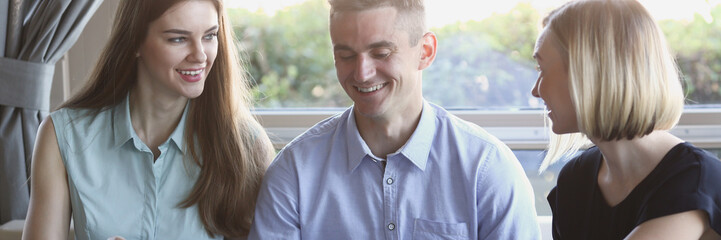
386, 134
154, 116
627, 162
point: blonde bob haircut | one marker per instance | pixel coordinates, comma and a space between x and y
623, 79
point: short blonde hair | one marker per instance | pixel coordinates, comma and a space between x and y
412, 13
623, 79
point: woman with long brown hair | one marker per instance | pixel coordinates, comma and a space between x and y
161, 143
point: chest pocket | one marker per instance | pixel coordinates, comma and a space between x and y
425, 229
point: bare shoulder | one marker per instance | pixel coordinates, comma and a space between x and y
46, 144
685, 225
47, 162
46, 127
49, 208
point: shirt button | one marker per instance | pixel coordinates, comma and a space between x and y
389, 181
391, 226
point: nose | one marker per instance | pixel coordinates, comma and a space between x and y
365, 68
534, 91
197, 53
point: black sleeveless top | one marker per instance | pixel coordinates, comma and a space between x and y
687, 178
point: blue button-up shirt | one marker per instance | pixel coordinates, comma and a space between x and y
451, 180
116, 187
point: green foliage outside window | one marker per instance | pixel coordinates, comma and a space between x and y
289, 56
480, 64
698, 52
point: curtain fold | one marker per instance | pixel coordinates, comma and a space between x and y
35, 35
4, 11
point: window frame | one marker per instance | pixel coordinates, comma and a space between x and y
519, 129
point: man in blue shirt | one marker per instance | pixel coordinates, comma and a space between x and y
392, 166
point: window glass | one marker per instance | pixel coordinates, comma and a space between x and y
483, 62
484, 57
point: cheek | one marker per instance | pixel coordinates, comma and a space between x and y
342, 70
542, 89
400, 69
163, 58
551, 86
211, 52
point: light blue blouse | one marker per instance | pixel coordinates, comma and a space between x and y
116, 189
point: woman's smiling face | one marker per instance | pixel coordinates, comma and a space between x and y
552, 84
179, 49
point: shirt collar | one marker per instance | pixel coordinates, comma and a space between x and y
416, 149
357, 148
123, 127
178, 134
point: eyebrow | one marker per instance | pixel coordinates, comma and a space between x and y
381, 44
184, 32
341, 48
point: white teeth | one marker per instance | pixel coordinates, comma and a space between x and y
371, 89
191, 73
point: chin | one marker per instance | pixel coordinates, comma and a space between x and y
193, 94
560, 131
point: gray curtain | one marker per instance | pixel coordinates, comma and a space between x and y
34, 35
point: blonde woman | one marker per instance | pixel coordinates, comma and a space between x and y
606, 74
161, 143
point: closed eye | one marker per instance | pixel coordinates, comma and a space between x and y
381, 53
344, 54
346, 57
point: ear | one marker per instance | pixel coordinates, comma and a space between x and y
429, 45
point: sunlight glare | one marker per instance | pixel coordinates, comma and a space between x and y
442, 12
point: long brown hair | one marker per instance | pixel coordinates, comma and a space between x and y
221, 134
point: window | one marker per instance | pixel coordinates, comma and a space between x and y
484, 53
483, 71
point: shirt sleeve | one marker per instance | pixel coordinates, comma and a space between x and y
276, 211
692, 186
554, 222
711, 193
505, 201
